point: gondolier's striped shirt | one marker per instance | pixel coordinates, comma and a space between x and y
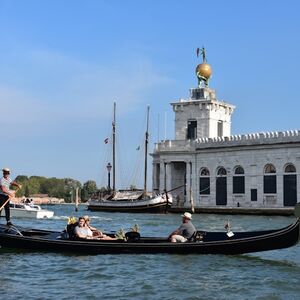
6, 183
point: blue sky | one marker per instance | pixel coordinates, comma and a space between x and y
64, 63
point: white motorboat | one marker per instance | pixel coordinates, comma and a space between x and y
22, 210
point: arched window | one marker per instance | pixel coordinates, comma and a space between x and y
222, 171
289, 185
270, 179
204, 172
238, 181
270, 169
239, 170
221, 186
204, 182
290, 169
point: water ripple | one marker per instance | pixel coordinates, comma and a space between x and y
34, 275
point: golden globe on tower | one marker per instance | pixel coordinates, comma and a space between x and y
204, 70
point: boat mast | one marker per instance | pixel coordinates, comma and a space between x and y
114, 149
76, 199
146, 151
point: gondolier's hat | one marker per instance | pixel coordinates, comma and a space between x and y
187, 215
6, 170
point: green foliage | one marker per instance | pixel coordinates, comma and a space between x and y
88, 189
55, 187
21, 179
120, 235
135, 228
27, 194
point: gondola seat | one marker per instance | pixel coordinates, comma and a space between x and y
132, 236
198, 236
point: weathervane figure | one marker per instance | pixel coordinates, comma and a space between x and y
203, 53
203, 71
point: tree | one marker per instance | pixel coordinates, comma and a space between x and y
23, 180
54, 187
89, 188
27, 194
33, 185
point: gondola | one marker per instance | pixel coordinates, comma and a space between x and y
203, 242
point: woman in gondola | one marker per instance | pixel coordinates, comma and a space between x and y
98, 234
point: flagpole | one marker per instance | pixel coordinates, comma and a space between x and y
158, 128
165, 125
76, 199
146, 151
114, 148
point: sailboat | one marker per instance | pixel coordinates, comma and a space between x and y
137, 200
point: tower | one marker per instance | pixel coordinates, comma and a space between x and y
202, 115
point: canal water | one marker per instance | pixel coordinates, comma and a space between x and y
265, 275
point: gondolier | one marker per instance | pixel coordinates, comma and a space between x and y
6, 193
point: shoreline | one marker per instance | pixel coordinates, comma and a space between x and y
236, 210
288, 211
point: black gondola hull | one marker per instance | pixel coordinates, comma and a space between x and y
213, 243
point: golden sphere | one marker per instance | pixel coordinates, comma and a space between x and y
204, 70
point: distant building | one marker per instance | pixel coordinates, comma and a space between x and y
215, 168
45, 199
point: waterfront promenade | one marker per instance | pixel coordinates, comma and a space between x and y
286, 211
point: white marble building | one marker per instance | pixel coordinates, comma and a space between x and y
215, 168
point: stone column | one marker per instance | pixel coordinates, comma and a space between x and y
195, 181
155, 188
168, 183
162, 176
188, 184
279, 189
229, 180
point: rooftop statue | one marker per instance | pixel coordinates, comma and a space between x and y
203, 71
203, 53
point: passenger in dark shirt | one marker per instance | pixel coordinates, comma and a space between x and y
185, 231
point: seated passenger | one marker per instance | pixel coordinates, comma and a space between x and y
82, 231
185, 231
96, 233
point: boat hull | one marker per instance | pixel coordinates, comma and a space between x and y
18, 213
29, 212
154, 205
213, 243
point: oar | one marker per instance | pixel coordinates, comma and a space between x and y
7, 200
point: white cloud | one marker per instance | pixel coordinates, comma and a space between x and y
59, 88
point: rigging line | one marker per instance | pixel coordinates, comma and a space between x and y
140, 163
210, 183
106, 149
137, 171
123, 169
119, 158
106, 158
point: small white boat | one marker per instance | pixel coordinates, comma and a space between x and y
22, 210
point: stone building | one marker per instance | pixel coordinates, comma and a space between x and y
206, 166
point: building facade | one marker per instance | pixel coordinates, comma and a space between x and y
206, 166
